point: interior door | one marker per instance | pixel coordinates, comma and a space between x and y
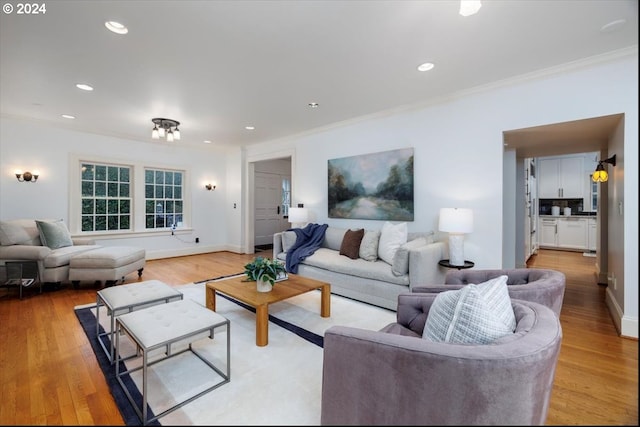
268, 216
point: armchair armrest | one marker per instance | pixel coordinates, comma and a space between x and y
423, 264
23, 252
81, 241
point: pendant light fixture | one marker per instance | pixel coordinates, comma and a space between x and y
165, 128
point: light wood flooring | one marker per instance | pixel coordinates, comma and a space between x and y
49, 374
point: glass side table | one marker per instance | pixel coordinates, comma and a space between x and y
22, 274
445, 263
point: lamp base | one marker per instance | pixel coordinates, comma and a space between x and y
456, 249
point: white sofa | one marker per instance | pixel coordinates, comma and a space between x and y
373, 282
20, 241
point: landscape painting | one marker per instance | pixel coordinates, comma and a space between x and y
372, 186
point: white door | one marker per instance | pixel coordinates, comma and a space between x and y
268, 215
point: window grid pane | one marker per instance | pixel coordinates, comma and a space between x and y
106, 199
163, 198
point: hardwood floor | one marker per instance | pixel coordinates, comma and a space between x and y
50, 376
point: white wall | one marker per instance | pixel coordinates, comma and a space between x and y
32, 146
459, 158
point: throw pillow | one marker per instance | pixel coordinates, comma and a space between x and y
351, 243
400, 264
391, 238
474, 314
369, 245
288, 240
54, 234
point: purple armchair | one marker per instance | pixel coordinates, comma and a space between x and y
530, 284
395, 377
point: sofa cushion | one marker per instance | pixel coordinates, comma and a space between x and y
54, 234
62, 256
400, 264
19, 232
288, 240
331, 260
369, 245
391, 238
333, 238
351, 243
474, 314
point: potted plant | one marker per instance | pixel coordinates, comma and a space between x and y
264, 272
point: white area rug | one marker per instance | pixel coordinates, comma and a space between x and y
279, 384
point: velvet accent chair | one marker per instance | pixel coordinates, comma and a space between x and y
530, 284
396, 377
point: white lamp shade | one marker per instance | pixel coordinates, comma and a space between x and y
456, 220
298, 215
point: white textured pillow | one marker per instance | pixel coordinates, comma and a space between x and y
391, 238
474, 314
369, 245
400, 264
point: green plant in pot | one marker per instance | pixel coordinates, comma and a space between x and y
264, 272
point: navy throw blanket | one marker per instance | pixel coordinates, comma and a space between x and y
308, 240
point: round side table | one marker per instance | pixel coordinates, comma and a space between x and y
447, 264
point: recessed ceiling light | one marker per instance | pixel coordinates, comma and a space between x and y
469, 7
249, 127
116, 27
84, 86
613, 26
206, 141
314, 105
426, 66
68, 116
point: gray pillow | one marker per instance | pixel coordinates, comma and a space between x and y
369, 245
474, 314
288, 240
400, 265
54, 234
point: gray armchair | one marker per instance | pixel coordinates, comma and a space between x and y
530, 284
395, 377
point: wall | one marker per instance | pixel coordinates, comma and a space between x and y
460, 159
32, 146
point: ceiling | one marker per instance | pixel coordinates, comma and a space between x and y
218, 66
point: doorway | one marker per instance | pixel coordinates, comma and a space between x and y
271, 200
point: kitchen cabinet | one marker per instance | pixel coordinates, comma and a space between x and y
561, 177
548, 232
572, 233
593, 233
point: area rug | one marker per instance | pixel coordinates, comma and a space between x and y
279, 384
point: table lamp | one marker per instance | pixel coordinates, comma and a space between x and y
457, 222
298, 216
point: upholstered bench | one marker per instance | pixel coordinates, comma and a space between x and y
124, 299
106, 264
160, 327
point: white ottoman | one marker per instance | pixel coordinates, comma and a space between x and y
107, 264
161, 326
127, 298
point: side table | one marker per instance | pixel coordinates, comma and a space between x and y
22, 274
447, 264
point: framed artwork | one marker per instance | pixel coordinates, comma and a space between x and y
372, 186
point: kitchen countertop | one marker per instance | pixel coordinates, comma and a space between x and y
576, 215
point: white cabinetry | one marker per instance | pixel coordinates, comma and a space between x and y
548, 233
572, 233
561, 177
593, 232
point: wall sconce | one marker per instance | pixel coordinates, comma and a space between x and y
27, 176
457, 222
210, 187
600, 174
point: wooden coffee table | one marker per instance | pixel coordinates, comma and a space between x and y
246, 292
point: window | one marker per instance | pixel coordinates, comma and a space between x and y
106, 197
286, 196
163, 192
